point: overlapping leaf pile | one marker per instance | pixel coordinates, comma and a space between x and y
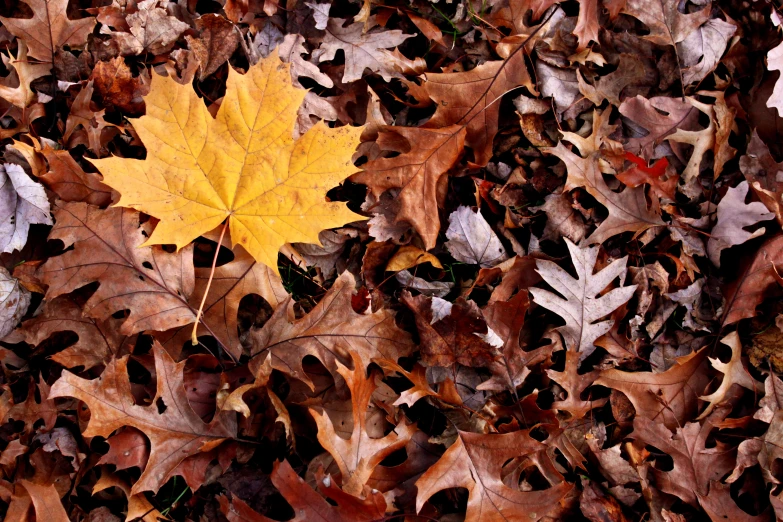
552, 293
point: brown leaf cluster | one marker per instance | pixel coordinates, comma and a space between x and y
564, 303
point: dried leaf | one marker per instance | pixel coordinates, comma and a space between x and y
174, 434
582, 305
732, 217
26, 72
14, 300
358, 456
668, 397
472, 241
23, 202
419, 173
755, 282
150, 30
734, 372
362, 48
475, 462
218, 39
331, 332
49, 29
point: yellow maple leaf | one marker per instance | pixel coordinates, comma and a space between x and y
243, 165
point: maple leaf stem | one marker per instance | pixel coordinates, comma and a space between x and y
193, 337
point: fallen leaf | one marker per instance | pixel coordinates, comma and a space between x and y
362, 48
218, 39
49, 29
307, 503
150, 30
23, 202
127, 449
46, 501
574, 385
139, 508
419, 173
212, 178
641, 173
697, 469
701, 50
628, 211
232, 282
153, 284
329, 254
331, 332
98, 341
320, 14
597, 506
630, 72
409, 256
755, 282
358, 456
174, 434
475, 462
659, 116
775, 63
69, 181
82, 119
733, 216
562, 219
667, 25
734, 372
26, 72
14, 300
761, 171
424, 287
668, 397
118, 87
471, 100
582, 305
451, 334
472, 241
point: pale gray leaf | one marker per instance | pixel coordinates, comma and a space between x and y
23, 202
320, 14
702, 49
582, 306
362, 49
14, 300
471, 239
430, 289
733, 216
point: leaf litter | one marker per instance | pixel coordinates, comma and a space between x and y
507, 260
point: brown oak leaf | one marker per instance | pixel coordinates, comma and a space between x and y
331, 332
175, 433
359, 455
49, 29
669, 397
475, 462
151, 283
420, 171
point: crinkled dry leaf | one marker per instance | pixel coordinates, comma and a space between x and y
174, 434
14, 300
358, 456
23, 202
475, 462
331, 332
583, 305
733, 216
471, 239
49, 29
